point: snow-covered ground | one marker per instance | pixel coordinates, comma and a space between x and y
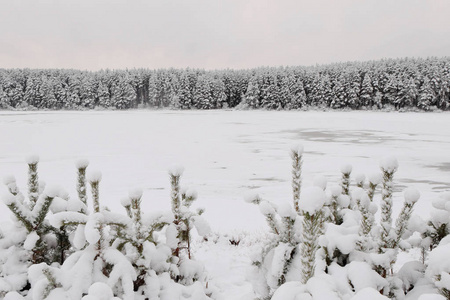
226, 154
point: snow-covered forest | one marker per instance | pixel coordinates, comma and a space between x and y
422, 84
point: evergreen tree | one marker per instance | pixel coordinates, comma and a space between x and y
367, 91
426, 95
202, 94
251, 97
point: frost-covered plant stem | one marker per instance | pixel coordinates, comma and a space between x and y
81, 183
367, 219
137, 215
17, 210
52, 283
33, 182
386, 206
371, 190
312, 229
296, 155
175, 176
95, 195
345, 182
94, 182
334, 216
402, 221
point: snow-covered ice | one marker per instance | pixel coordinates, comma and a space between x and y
227, 155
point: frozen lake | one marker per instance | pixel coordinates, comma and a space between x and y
225, 154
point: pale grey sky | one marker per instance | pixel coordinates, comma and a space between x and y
91, 34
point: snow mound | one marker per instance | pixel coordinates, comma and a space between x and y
312, 200
360, 177
99, 291
32, 159
375, 178
7, 180
297, 149
95, 176
135, 193
125, 201
176, 170
369, 293
320, 181
389, 164
346, 168
52, 191
82, 163
411, 195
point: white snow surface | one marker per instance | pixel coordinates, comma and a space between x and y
226, 155
312, 199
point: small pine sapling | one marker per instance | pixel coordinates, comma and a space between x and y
31, 214
97, 261
285, 249
137, 239
184, 221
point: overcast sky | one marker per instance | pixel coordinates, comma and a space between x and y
210, 34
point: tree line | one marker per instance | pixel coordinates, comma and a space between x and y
389, 83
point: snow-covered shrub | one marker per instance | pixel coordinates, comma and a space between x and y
360, 238
437, 239
95, 253
333, 234
291, 249
179, 232
31, 239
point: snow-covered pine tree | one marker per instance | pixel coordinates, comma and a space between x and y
295, 229
31, 213
202, 93
123, 95
426, 94
367, 91
185, 91
297, 92
252, 95
184, 221
340, 96
96, 262
103, 97
32, 240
